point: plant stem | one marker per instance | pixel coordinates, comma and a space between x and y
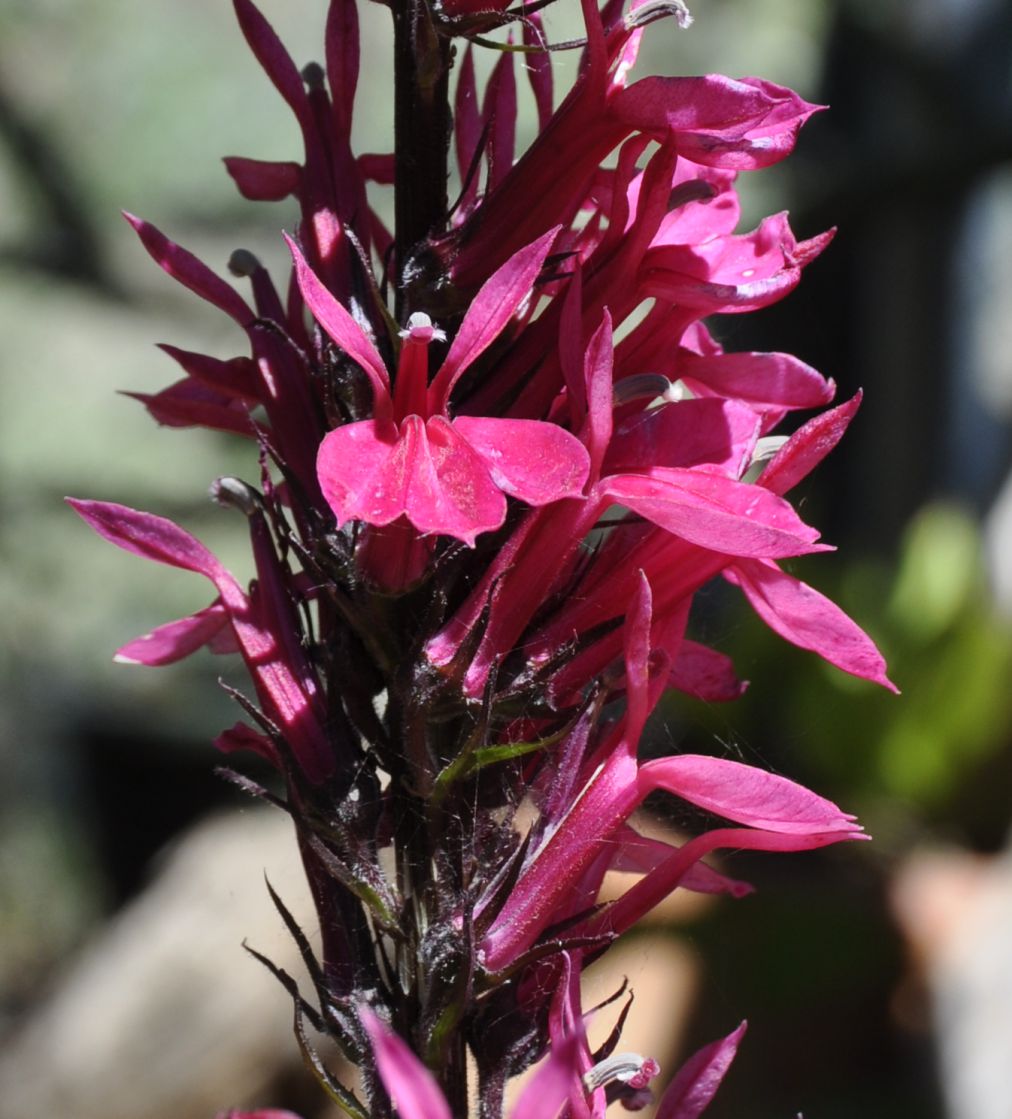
421, 131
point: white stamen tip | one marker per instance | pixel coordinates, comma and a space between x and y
628, 1068
420, 328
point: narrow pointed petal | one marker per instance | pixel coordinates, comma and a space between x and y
598, 384
175, 640
745, 795
283, 696
550, 1086
809, 620
184, 267
411, 1086
500, 111
534, 461
740, 124
697, 1081
539, 68
263, 180
342, 54
342, 328
240, 736
719, 433
714, 512
807, 447
491, 309
733, 274
272, 56
238, 376
192, 404
150, 537
706, 674
764, 380
639, 854
467, 128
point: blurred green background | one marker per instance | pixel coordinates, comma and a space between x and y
107, 104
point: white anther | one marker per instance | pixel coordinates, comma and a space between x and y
627, 1068
420, 328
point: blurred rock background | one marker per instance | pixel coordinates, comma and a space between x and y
876, 979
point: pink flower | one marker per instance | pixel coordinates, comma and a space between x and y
575, 845
259, 628
416, 1095
413, 692
566, 1076
445, 476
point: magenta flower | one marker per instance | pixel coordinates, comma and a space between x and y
411, 460
524, 369
563, 873
566, 1076
284, 681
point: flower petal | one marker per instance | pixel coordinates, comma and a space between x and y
746, 795
807, 447
714, 512
240, 736
551, 1084
411, 1086
374, 472
500, 113
154, 538
191, 403
640, 854
342, 328
237, 377
534, 461
706, 674
183, 266
490, 310
731, 274
450, 491
175, 640
808, 619
272, 56
263, 180
766, 381
697, 1081
361, 473
740, 124
342, 53
720, 433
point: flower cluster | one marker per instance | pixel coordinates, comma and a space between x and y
499, 453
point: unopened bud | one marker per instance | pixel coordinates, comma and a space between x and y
235, 494
243, 263
312, 75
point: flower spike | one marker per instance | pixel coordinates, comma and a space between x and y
497, 457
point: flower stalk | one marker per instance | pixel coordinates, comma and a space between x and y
421, 137
496, 453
